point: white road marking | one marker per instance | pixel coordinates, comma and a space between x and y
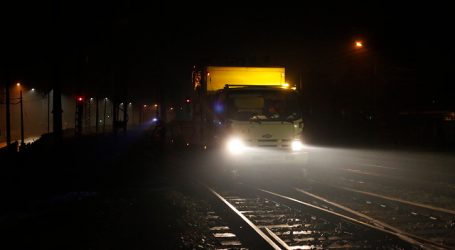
374, 165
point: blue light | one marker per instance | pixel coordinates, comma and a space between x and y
154, 119
219, 108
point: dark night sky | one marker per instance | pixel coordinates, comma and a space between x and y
100, 47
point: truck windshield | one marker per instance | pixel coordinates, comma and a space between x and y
277, 104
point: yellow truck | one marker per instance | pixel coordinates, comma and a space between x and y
251, 113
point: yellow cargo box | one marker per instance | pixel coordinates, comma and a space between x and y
218, 77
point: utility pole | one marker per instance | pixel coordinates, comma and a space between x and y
57, 57
97, 115
22, 120
89, 114
115, 109
80, 102
48, 111
104, 119
125, 114
132, 113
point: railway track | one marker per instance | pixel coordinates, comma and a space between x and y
416, 182
278, 221
430, 225
370, 220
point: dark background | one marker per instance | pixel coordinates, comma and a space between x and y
401, 79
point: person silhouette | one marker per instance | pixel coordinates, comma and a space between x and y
272, 110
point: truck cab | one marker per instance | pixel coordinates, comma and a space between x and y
259, 124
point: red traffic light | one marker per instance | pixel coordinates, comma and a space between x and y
80, 99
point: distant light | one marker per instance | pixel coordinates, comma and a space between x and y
105, 99
285, 85
91, 99
188, 100
18, 84
154, 119
80, 98
121, 104
145, 106
208, 73
358, 44
33, 89
130, 103
171, 108
156, 105
108, 116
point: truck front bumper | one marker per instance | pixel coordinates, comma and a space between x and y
267, 157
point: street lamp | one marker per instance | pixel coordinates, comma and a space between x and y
89, 113
368, 70
156, 110
358, 44
79, 114
143, 113
45, 94
130, 106
22, 115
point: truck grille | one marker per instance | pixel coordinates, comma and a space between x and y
270, 143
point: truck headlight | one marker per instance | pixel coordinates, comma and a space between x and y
235, 146
296, 145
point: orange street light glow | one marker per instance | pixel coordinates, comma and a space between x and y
18, 84
358, 44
